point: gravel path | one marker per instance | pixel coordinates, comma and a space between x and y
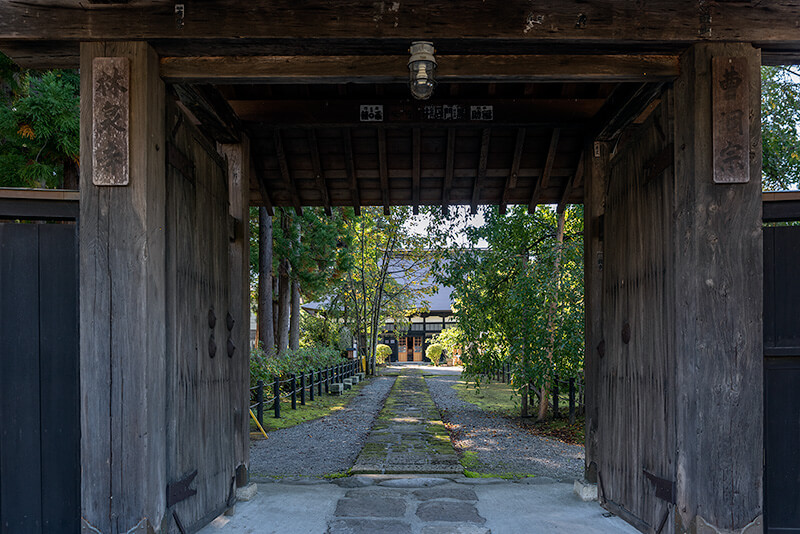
501, 447
326, 445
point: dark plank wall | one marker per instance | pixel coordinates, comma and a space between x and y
719, 299
636, 430
203, 398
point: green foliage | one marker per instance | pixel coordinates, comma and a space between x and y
266, 368
780, 117
434, 352
382, 353
390, 274
39, 125
520, 299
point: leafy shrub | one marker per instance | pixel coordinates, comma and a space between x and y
434, 352
268, 367
382, 353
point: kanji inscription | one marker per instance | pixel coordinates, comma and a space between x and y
731, 116
110, 120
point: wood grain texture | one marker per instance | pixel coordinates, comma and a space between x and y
718, 251
238, 157
123, 310
205, 407
215, 24
635, 389
593, 217
393, 69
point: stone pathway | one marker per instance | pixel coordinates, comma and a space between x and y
409, 435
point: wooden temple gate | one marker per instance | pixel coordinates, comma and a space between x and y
646, 112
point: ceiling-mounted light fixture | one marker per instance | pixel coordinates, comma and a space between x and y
422, 69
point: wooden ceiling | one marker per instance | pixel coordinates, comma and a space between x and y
471, 144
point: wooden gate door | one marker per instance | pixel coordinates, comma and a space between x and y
39, 410
782, 378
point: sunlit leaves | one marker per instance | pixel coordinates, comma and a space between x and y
780, 116
39, 126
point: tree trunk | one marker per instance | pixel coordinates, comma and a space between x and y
266, 324
544, 404
294, 325
284, 294
524, 407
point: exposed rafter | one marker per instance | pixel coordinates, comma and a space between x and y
511, 180
319, 173
448, 170
483, 160
215, 117
350, 168
383, 169
284, 167
415, 168
544, 179
573, 181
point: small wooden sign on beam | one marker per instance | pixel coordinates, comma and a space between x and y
110, 120
731, 120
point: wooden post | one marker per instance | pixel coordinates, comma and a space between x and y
593, 208
718, 289
276, 389
238, 314
123, 310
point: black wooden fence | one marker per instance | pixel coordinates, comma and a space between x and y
302, 386
567, 391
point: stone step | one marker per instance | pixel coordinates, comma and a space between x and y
336, 388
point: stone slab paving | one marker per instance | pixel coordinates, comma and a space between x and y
409, 435
371, 504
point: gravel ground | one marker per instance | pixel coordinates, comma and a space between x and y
327, 445
501, 447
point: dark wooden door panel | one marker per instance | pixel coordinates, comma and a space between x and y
20, 464
58, 356
781, 379
39, 417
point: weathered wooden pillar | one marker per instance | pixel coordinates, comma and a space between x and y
718, 294
122, 290
595, 169
238, 157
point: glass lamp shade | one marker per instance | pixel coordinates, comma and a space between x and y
422, 70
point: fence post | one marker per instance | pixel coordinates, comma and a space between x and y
294, 392
260, 400
555, 398
319, 383
327, 380
277, 390
311, 387
572, 401
302, 388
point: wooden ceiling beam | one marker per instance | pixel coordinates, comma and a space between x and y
284, 167
416, 156
448, 170
623, 107
383, 169
511, 180
394, 69
215, 117
544, 180
483, 160
319, 173
573, 181
350, 168
410, 113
